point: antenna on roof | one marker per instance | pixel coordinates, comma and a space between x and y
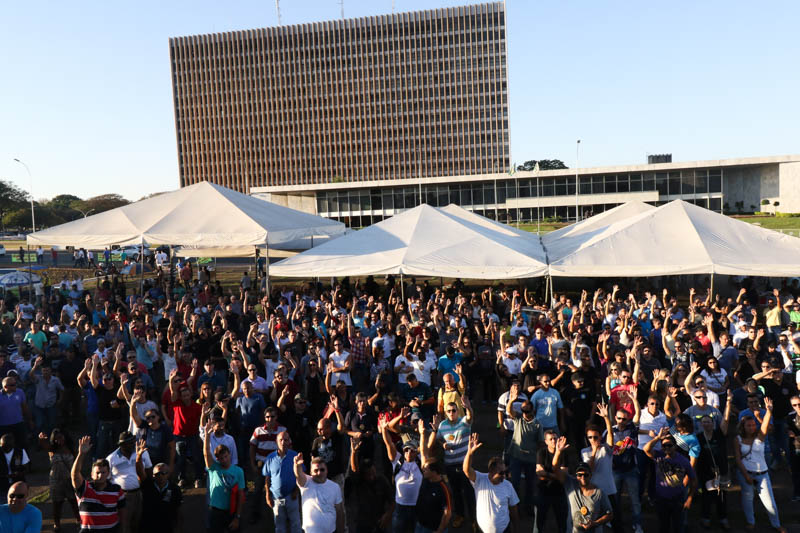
392, 6
341, 7
278, 9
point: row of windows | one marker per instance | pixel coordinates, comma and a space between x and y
483, 193
527, 215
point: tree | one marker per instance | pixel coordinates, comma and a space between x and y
11, 199
104, 202
544, 164
63, 206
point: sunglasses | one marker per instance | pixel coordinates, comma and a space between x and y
16, 496
581, 474
593, 437
151, 417
454, 410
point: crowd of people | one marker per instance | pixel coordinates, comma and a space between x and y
352, 406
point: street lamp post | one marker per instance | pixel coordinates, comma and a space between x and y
30, 178
84, 213
577, 185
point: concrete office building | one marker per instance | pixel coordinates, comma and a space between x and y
735, 185
374, 99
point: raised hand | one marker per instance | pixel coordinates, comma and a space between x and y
561, 444
474, 443
84, 445
602, 410
768, 403
141, 447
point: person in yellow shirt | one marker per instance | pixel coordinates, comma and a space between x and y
452, 392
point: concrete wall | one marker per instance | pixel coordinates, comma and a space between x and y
751, 185
301, 201
789, 174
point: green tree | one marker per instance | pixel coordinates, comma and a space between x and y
544, 164
104, 202
63, 206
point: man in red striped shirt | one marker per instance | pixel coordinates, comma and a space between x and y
262, 443
101, 504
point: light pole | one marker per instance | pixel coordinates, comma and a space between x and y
84, 213
577, 166
30, 178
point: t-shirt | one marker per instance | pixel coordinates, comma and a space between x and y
29, 520
583, 508
281, 473
502, 401
98, 509
602, 477
434, 500
546, 404
492, 503
186, 418
624, 450
319, 506
221, 482
670, 472
407, 481
456, 436
648, 422
696, 413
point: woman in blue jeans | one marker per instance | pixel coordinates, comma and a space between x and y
753, 471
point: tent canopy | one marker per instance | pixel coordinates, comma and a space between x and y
202, 214
425, 241
566, 240
680, 238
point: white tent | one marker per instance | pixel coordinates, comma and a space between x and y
425, 241
680, 238
203, 214
562, 241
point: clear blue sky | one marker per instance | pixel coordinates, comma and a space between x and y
86, 100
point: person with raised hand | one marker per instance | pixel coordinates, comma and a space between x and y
496, 500
323, 506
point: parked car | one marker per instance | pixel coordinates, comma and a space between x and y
133, 252
2, 250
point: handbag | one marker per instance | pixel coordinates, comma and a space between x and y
718, 482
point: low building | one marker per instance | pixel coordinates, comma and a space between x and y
734, 185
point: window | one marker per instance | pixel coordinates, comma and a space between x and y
623, 183
597, 185
715, 180
611, 183
635, 182
661, 183
687, 182
477, 194
488, 193
466, 196
701, 181
399, 199
548, 187
524, 188
560, 186
585, 185
674, 183
377, 199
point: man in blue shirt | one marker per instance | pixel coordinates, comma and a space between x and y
283, 496
448, 362
18, 516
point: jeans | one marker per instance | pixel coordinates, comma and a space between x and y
718, 498
672, 517
107, 435
45, 418
461, 488
404, 518
517, 467
219, 520
187, 449
631, 481
763, 485
779, 440
556, 498
287, 514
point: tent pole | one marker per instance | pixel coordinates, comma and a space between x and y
255, 258
30, 277
267, 271
712, 286
141, 269
402, 289
550, 302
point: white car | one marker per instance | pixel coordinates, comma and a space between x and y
2, 250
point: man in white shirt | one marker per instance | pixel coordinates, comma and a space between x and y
161, 258
122, 472
496, 500
407, 479
323, 507
403, 366
70, 308
340, 364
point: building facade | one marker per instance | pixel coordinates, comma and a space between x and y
731, 185
373, 99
